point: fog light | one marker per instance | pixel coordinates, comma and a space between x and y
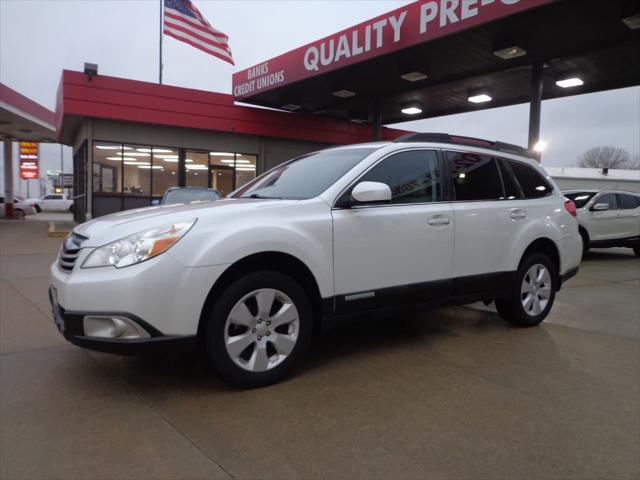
106, 326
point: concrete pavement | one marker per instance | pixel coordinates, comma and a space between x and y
452, 393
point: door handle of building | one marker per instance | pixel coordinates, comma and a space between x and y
439, 220
518, 214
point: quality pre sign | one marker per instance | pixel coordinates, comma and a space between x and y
29, 160
416, 23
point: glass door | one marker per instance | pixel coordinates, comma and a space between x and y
222, 179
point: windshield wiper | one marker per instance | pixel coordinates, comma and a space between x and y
263, 197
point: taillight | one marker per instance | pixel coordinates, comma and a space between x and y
570, 207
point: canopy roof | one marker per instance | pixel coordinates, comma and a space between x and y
23, 119
455, 45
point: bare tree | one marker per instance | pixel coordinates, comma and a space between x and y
605, 157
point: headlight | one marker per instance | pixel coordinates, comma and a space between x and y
138, 247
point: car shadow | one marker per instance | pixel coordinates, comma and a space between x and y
361, 336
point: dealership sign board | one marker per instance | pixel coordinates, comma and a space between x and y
29, 160
404, 27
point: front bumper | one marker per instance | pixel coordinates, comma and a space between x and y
70, 324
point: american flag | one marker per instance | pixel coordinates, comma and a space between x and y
184, 22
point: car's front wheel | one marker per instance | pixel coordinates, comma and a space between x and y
533, 292
258, 329
636, 250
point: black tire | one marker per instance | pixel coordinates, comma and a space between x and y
585, 242
38, 208
18, 213
511, 309
636, 250
221, 360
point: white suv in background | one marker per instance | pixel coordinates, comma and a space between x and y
608, 218
426, 220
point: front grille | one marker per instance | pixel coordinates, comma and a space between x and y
70, 251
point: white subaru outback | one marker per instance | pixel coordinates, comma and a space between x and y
426, 220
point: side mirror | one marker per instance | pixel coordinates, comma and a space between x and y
600, 207
371, 192
155, 201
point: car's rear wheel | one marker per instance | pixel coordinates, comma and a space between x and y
38, 208
258, 329
19, 214
533, 292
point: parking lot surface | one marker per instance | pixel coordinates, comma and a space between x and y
451, 393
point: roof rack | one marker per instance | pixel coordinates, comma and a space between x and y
460, 140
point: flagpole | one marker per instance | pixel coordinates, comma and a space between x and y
161, 22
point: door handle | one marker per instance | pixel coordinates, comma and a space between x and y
439, 220
518, 214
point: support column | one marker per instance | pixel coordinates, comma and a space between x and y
8, 178
377, 120
537, 82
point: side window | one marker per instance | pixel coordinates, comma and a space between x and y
49, 197
627, 202
533, 184
475, 177
511, 187
608, 198
413, 176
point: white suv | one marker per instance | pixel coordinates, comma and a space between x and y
424, 221
607, 218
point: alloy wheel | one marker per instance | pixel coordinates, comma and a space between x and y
536, 290
261, 330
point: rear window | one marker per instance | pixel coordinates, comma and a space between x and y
580, 198
475, 177
533, 184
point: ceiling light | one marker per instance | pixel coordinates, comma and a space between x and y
510, 52
170, 160
133, 154
155, 150
155, 167
222, 154
109, 147
226, 161
188, 160
167, 156
413, 76
242, 161
117, 159
480, 98
540, 146
412, 110
569, 82
136, 163
196, 167
246, 169
292, 107
358, 120
344, 93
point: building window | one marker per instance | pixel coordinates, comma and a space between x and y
166, 177
245, 169
137, 169
197, 169
107, 168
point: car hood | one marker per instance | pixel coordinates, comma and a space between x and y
122, 224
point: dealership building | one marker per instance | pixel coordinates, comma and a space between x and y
132, 140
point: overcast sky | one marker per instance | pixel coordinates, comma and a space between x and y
39, 38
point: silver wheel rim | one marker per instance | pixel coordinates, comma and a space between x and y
536, 290
261, 330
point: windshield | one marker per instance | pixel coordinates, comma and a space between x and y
305, 177
580, 198
188, 195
